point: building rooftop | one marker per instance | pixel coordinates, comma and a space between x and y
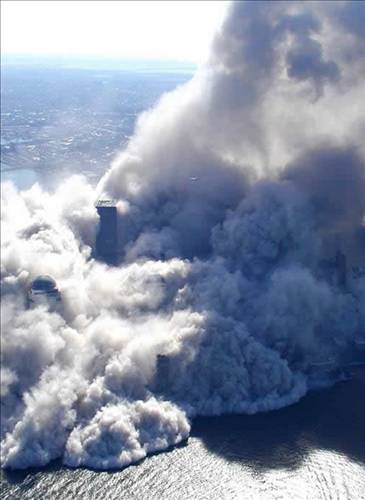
105, 203
44, 282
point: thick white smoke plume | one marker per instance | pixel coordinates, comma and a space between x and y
233, 194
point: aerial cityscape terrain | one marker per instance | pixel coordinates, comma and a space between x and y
60, 120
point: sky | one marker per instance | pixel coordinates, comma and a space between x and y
179, 30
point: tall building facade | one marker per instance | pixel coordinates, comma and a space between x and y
107, 237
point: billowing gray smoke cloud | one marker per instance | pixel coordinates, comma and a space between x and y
233, 194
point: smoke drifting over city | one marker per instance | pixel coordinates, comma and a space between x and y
234, 196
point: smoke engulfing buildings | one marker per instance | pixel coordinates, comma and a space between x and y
223, 276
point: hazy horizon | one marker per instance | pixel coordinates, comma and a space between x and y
92, 61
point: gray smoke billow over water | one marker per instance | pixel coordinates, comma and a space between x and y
231, 194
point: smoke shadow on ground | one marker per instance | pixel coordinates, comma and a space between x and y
19, 476
331, 419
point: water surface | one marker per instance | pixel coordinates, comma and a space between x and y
314, 449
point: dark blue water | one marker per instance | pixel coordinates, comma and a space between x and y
314, 449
